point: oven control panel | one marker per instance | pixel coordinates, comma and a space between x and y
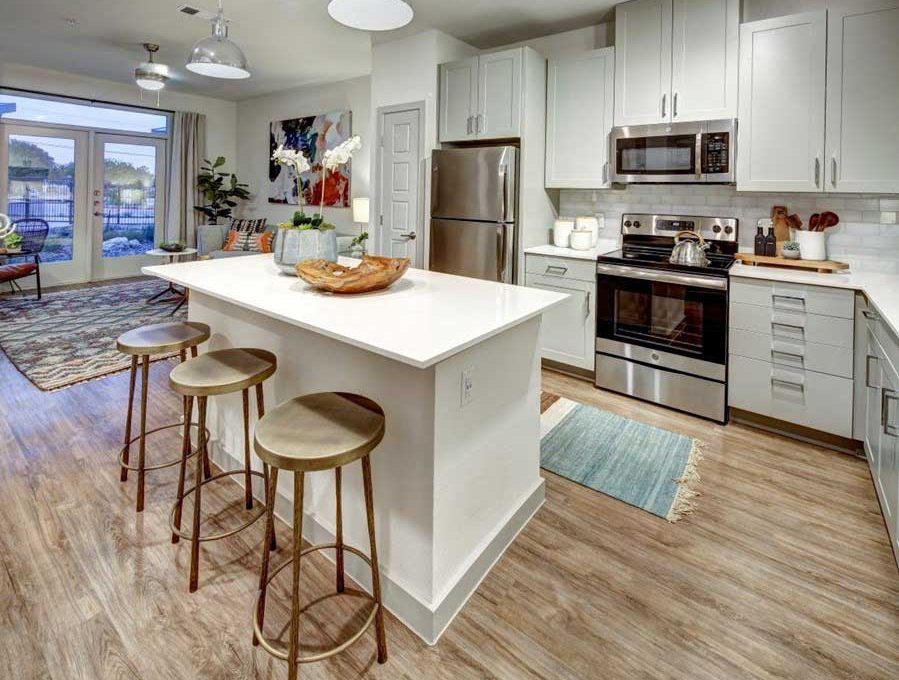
711, 228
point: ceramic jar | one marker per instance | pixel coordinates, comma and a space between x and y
296, 245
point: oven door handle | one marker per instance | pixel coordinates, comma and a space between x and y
716, 283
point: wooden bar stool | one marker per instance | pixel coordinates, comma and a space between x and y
219, 372
142, 343
319, 432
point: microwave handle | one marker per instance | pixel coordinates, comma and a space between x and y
699, 168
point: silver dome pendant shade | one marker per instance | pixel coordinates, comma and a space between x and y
217, 56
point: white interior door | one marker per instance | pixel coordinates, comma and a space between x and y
399, 200
863, 97
43, 174
127, 203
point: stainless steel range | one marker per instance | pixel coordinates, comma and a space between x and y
661, 327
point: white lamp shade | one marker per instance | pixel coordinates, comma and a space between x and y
360, 210
371, 15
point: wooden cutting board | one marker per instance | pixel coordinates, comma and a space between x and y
822, 266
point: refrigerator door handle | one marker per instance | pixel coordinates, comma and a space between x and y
504, 199
501, 253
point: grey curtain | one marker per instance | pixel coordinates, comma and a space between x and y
188, 146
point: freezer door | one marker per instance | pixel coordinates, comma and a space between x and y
474, 183
480, 250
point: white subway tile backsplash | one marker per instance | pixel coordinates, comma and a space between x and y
867, 238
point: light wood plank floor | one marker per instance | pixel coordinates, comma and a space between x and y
784, 571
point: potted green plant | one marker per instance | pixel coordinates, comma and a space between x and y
790, 250
221, 190
357, 245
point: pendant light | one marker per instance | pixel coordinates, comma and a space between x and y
217, 56
371, 15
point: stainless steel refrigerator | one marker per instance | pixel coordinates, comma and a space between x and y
473, 206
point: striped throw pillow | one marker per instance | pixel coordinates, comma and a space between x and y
244, 235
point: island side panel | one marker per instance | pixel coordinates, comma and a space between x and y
403, 464
487, 472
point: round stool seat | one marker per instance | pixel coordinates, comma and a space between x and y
222, 371
160, 338
319, 431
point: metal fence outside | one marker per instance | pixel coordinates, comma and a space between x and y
54, 202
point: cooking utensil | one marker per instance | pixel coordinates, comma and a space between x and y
813, 222
690, 252
794, 221
828, 220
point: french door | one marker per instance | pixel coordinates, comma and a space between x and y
44, 175
127, 203
102, 195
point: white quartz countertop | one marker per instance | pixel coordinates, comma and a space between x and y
422, 319
602, 247
882, 290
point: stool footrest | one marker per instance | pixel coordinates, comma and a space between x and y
159, 466
267, 645
263, 507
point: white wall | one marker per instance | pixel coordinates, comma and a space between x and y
253, 120
569, 42
221, 115
753, 10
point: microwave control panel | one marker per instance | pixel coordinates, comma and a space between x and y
716, 152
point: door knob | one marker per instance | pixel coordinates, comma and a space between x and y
409, 237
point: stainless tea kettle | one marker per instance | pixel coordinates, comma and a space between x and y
690, 252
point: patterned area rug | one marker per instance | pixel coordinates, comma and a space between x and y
70, 335
644, 466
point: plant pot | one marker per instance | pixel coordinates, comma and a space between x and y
296, 245
812, 244
789, 254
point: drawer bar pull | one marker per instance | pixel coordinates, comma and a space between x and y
556, 270
787, 383
885, 398
792, 327
791, 298
793, 355
868, 369
870, 316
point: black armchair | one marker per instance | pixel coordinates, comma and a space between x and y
33, 232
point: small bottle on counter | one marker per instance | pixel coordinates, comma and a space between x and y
759, 244
770, 243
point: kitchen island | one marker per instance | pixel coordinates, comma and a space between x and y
455, 364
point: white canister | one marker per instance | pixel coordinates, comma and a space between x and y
581, 240
812, 244
561, 232
588, 223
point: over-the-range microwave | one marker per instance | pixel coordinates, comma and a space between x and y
703, 152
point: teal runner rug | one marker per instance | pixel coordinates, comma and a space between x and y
645, 466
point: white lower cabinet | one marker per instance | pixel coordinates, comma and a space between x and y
568, 329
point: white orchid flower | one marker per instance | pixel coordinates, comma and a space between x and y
341, 154
292, 158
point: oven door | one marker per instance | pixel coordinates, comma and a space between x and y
657, 154
668, 319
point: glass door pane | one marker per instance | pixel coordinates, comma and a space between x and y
43, 178
128, 205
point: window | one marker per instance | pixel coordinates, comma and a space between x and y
34, 108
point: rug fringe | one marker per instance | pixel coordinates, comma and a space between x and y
686, 491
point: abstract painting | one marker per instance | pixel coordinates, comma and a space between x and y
313, 135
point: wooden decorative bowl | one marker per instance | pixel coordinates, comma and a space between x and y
374, 273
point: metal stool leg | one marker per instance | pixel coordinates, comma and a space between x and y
127, 444
267, 542
142, 451
339, 538
375, 573
201, 457
294, 644
182, 471
269, 497
248, 485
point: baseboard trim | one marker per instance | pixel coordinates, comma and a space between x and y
427, 620
799, 432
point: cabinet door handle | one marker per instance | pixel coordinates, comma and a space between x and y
587, 306
833, 171
664, 104
674, 106
885, 398
605, 172
817, 171
868, 369
793, 355
468, 126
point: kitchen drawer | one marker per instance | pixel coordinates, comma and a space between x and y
816, 400
560, 267
812, 356
794, 297
792, 326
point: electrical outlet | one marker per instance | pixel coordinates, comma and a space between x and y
467, 386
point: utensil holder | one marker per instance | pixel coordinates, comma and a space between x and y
812, 245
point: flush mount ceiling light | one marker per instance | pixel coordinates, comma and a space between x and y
216, 56
371, 15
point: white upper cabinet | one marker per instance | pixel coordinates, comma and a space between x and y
781, 122
643, 62
499, 95
676, 60
705, 52
480, 97
458, 100
863, 97
579, 108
